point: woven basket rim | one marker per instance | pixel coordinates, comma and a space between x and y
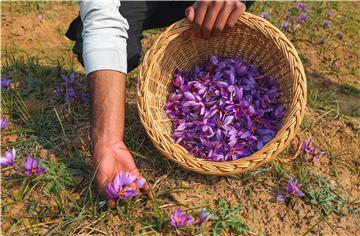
283, 136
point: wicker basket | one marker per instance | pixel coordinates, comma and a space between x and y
253, 39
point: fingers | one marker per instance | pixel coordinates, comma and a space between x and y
234, 16
221, 20
200, 13
210, 18
190, 14
111, 203
148, 191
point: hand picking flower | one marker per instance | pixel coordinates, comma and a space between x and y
121, 187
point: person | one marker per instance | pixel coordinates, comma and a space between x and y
108, 44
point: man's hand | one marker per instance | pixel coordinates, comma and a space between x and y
110, 160
211, 18
107, 128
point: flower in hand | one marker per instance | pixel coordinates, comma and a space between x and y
123, 186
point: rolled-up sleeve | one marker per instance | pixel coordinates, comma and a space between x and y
104, 36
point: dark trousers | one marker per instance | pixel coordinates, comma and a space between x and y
140, 16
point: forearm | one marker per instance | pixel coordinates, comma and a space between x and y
108, 106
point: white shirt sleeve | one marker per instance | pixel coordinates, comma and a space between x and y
104, 36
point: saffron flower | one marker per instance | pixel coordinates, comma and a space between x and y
301, 6
322, 40
340, 35
71, 89
5, 83
121, 186
180, 219
327, 24
202, 216
224, 109
265, 15
293, 188
303, 17
32, 167
280, 197
4, 123
8, 159
284, 25
310, 149
329, 14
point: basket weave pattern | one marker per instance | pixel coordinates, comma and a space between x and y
252, 39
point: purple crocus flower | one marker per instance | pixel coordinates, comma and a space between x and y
84, 97
70, 80
202, 216
284, 25
280, 197
140, 182
71, 89
329, 14
293, 188
178, 80
58, 92
8, 159
301, 6
32, 167
120, 187
303, 17
322, 40
180, 219
312, 150
265, 15
327, 24
340, 35
4, 123
70, 94
5, 83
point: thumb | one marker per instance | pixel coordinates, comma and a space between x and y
190, 14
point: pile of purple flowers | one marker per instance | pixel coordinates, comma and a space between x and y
224, 110
71, 89
181, 219
123, 186
292, 189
